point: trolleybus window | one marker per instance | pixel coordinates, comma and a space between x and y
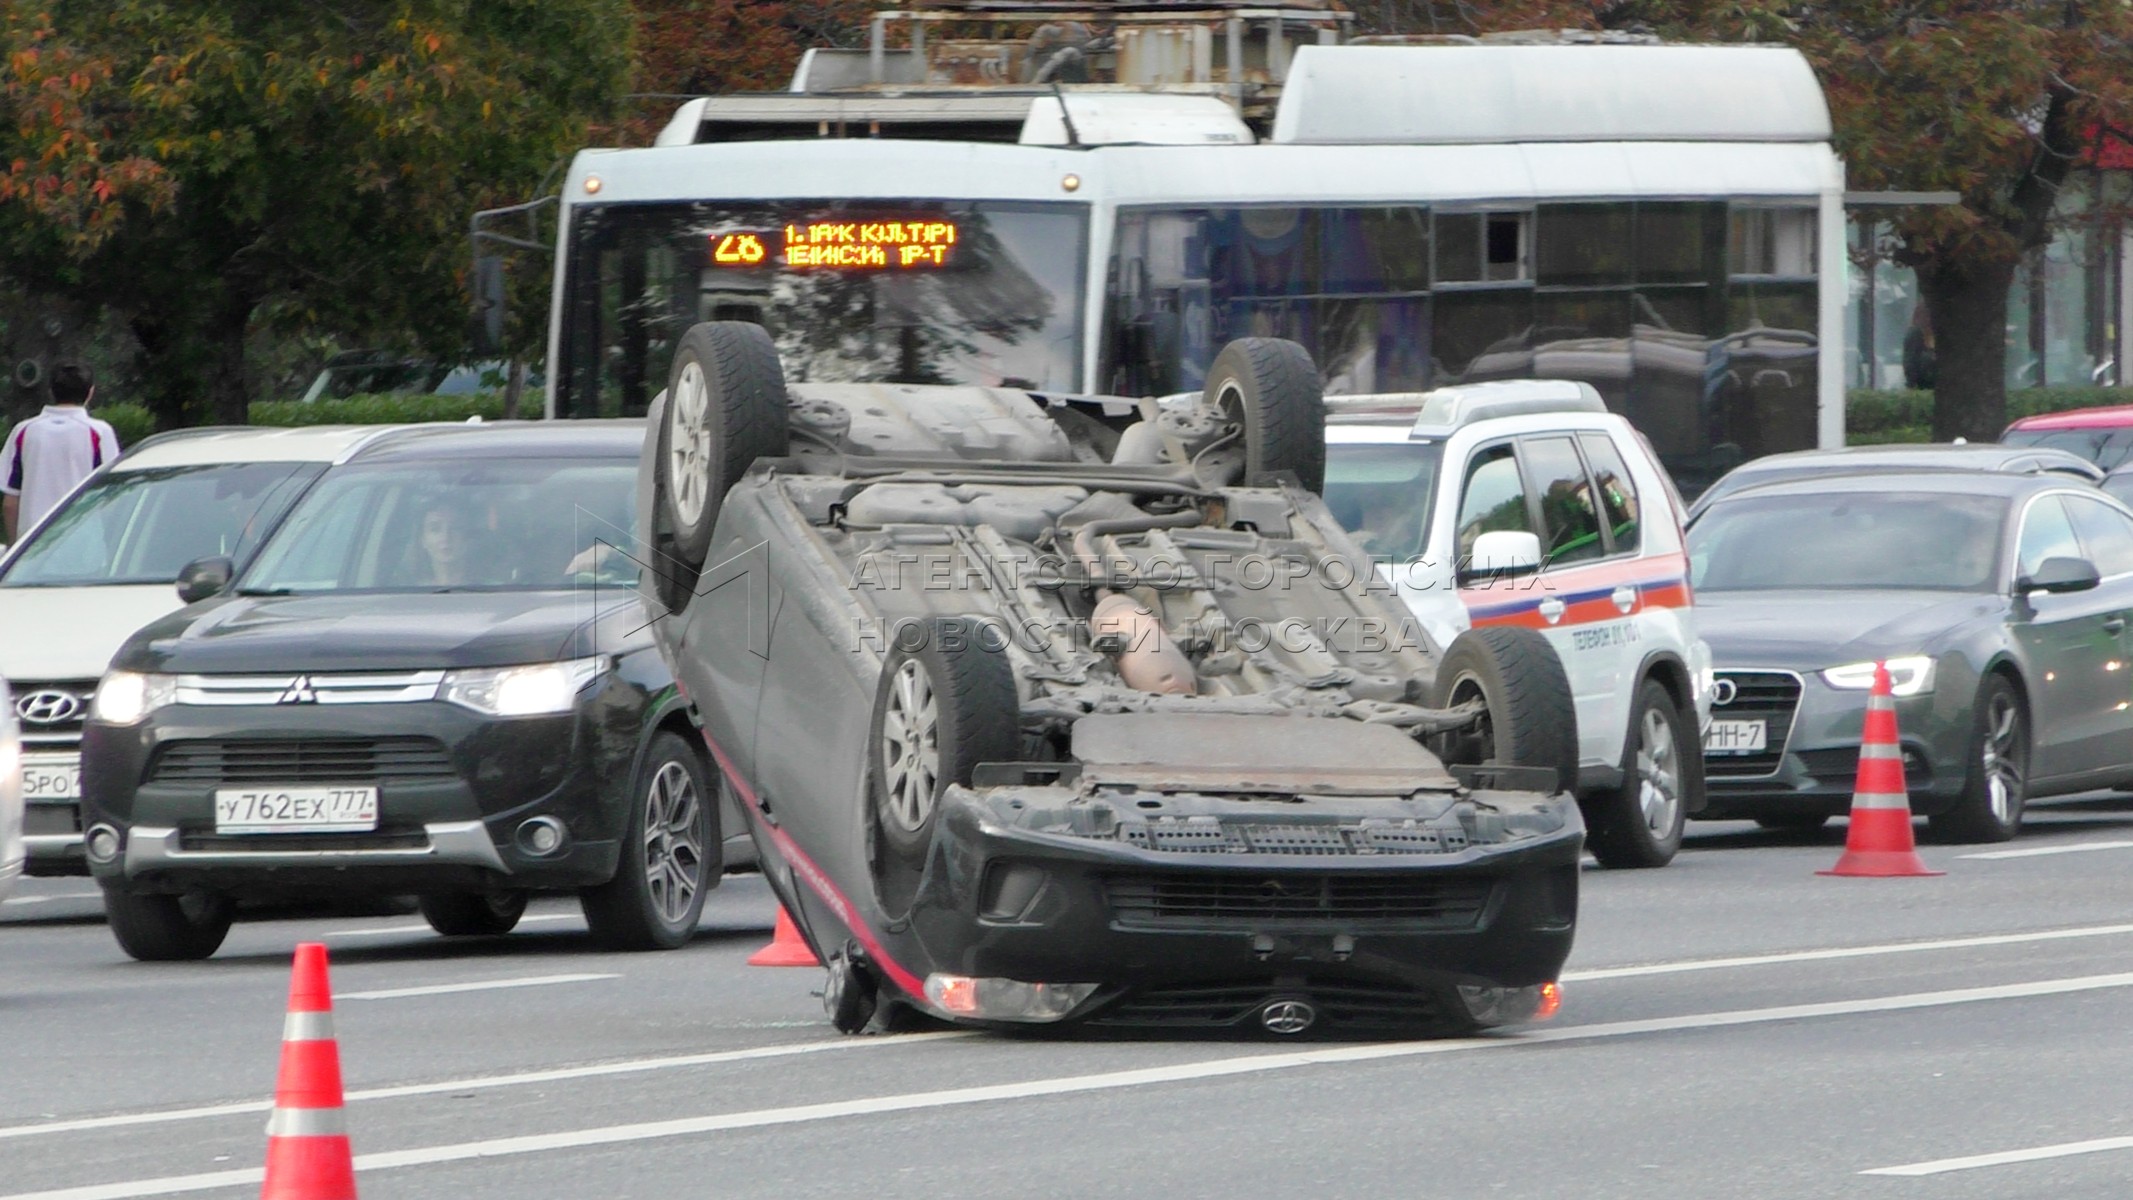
870, 292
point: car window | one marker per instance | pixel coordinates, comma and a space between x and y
1381, 493
139, 527
1845, 540
2119, 484
1494, 499
490, 524
1568, 507
2091, 444
1618, 496
2046, 533
2105, 532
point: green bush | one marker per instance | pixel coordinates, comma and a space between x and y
130, 422
1873, 417
393, 409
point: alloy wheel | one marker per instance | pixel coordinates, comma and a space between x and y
673, 845
1658, 773
689, 442
2002, 758
910, 747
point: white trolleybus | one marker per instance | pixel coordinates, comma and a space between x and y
1096, 203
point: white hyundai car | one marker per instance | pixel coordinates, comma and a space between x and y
10, 793
1528, 503
105, 562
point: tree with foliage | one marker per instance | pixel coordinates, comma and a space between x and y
1996, 101
709, 47
202, 167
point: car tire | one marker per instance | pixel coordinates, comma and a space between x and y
1794, 822
725, 408
946, 698
473, 914
1996, 787
670, 857
165, 928
1272, 388
1639, 824
1532, 718
849, 993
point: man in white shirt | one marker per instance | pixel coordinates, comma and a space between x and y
45, 456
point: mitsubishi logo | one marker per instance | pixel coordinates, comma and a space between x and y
1288, 1017
299, 692
48, 708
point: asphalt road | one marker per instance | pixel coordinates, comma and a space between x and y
1733, 1025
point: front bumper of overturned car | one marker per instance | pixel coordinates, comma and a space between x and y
1170, 939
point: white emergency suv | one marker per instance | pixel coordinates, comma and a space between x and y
1527, 503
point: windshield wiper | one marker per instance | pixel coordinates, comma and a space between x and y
266, 591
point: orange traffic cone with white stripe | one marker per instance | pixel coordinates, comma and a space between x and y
308, 1157
787, 948
1879, 840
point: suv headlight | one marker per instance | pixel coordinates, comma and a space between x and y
1908, 676
526, 691
124, 697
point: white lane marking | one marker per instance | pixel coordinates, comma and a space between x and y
2041, 851
1108, 1081
57, 896
1790, 956
391, 929
2063, 1150
628, 1066
483, 985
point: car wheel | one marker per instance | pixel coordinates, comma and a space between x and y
164, 928
1530, 718
670, 855
946, 703
1997, 786
476, 914
1794, 822
725, 408
1271, 388
1639, 824
848, 994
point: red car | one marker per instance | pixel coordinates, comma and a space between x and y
2102, 435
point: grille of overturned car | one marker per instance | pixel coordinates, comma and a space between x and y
1209, 836
1249, 899
1345, 1003
302, 760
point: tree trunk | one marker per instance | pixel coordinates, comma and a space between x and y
229, 397
1966, 302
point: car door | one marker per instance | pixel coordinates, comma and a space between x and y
2071, 641
1591, 598
2106, 534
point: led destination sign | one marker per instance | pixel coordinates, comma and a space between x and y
841, 246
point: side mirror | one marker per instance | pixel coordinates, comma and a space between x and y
1502, 552
2059, 575
204, 577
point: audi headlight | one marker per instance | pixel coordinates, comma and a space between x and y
1908, 676
526, 691
124, 697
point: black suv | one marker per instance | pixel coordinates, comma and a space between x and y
434, 678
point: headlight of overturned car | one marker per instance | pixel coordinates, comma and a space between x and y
1908, 675
124, 697
534, 689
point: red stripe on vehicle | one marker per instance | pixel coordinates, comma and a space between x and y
805, 868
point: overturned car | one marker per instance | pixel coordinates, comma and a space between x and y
1060, 708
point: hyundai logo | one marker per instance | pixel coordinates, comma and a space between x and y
1288, 1017
48, 708
299, 692
1725, 691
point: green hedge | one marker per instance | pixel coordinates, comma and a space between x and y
132, 422
1873, 417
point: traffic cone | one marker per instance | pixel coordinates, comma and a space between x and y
308, 1157
786, 949
1879, 840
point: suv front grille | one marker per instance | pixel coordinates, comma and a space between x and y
302, 760
1767, 696
1252, 898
